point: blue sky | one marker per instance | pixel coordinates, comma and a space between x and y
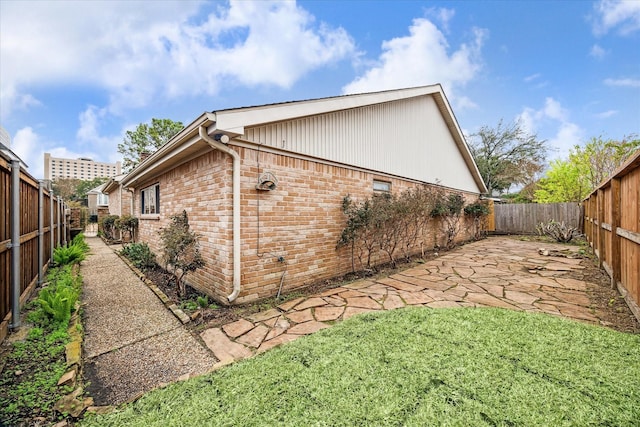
75, 76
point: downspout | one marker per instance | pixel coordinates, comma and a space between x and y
236, 206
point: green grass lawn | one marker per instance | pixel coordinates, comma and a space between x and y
416, 367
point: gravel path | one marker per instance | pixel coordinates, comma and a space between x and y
132, 342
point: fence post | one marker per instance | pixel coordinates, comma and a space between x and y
15, 244
615, 239
51, 235
40, 232
601, 239
64, 224
58, 225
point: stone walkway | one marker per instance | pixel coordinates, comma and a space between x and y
495, 272
132, 343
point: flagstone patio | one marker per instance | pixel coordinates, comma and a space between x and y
495, 272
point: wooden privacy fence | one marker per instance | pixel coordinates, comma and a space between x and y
523, 218
612, 227
32, 224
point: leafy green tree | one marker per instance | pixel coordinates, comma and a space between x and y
600, 158
565, 181
507, 155
587, 166
146, 139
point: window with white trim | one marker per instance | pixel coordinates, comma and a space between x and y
103, 199
151, 199
383, 186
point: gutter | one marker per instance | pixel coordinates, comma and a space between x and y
218, 145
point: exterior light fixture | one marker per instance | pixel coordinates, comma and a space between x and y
267, 182
221, 137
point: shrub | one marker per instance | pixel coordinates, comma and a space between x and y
140, 255
478, 212
557, 230
448, 208
386, 223
108, 225
181, 249
127, 224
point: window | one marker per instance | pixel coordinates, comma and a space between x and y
151, 199
103, 199
381, 186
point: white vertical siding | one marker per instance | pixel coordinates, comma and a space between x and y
407, 138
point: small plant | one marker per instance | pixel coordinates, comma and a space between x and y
71, 254
140, 255
58, 303
557, 230
78, 241
203, 302
181, 249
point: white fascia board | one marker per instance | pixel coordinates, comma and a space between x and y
235, 120
181, 141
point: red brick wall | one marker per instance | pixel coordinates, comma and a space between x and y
300, 221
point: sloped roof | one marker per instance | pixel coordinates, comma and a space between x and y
232, 122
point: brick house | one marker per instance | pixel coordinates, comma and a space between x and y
119, 197
263, 186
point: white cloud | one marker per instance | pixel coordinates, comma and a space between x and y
597, 52
532, 77
138, 52
621, 14
552, 119
422, 58
606, 114
30, 147
622, 82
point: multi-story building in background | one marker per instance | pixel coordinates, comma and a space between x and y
82, 168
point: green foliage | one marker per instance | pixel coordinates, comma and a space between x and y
140, 255
79, 241
127, 224
146, 139
57, 300
477, 209
41, 357
565, 181
181, 249
507, 155
57, 304
203, 302
71, 254
572, 180
108, 226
